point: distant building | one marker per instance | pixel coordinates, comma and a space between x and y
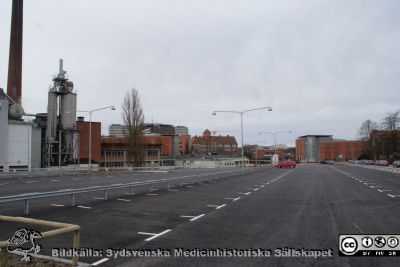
307, 147
211, 144
264, 154
316, 148
341, 150
117, 130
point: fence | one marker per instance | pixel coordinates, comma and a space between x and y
62, 229
73, 192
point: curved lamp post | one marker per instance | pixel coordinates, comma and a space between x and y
241, 120
90, 130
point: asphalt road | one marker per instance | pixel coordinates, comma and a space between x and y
302, 208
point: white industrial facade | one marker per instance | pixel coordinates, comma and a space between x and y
20, 144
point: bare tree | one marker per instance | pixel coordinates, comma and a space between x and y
391, 121
132, 115
391, 144
365, 131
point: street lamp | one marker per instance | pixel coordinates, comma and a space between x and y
241, 120
90, 130
275, 134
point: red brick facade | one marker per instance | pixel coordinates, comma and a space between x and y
341, 150
83, 128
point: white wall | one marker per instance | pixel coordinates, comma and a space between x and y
19, 144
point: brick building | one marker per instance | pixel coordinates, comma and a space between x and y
83, 128
264, 154
211, 144
315, 148
341, 150
161, 144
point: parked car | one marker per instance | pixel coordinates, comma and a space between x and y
290, 164
382, 163
396, 164
326, 162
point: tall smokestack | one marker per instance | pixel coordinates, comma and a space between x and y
15, 57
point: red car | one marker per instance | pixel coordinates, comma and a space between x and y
290, 164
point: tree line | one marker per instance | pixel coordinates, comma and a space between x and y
383, 139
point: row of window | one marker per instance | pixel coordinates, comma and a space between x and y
122, 153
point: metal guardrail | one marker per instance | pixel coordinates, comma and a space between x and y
62, 229
378, 168
73, 192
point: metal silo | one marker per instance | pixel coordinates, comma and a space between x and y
51, 131
68, 111
68, 118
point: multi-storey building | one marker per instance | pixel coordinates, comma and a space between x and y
211, 144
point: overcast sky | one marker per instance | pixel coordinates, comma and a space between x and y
323, 66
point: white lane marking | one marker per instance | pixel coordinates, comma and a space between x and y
255, 189
109, 176
202, 183
31, 182
248, 193
263, 185
123, 199
240, 193
393, 195
197, 217
217, 207
375, 186
383, 190
130, 194
100, 198
57, 205
99, 262
151, 194
190, 186
4, 183
220, 207
232, 198
173, 190
267, 183
84, 207
193, 218
153, 235
55, 180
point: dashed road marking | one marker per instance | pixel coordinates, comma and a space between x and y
383, 190
255, 189
390, 195
263, 185
99, 261
31, 182
193, 218
150, 194
57, 205
4, 183
84, 207
248, 193
173, 190
375, 186
154, 235
56, 180
123, 199
217, 207
99, 198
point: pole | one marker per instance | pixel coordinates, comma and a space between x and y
90, 141
241, 132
